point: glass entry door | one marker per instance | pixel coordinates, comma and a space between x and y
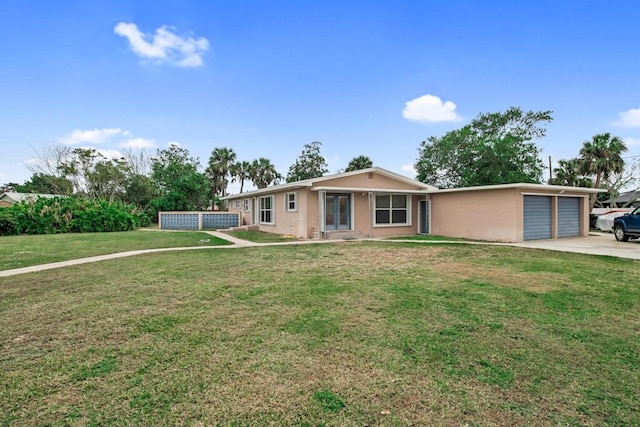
337, 208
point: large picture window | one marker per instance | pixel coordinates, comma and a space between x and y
266, 210
392, 209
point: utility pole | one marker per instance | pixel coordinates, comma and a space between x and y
550, 171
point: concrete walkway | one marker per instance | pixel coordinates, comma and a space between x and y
237, 243
595, 244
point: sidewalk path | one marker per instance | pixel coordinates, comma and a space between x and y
237, 243
584, 245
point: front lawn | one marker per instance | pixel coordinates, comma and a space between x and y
24, 251
429, 238
261, 236
341, 334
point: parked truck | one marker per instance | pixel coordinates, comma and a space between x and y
627, 226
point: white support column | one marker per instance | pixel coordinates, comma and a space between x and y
321, 213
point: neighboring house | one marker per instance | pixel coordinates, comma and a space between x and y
627, 199
375, 202
11, 198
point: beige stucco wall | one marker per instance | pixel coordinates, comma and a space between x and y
367, 180
306, 219
493, 215
285, 222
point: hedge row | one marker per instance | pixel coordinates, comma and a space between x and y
69, 215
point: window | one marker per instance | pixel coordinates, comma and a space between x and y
392, 209
246, 205
290, 202
266, 210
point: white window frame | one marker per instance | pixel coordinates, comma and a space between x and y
246, 205
262, 210
287, 202
391, 209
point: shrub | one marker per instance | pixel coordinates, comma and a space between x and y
7, 222
70, 215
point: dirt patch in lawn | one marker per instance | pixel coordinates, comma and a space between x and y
533, 282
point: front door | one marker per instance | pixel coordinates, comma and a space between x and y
337, 212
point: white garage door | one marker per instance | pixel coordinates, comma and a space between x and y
568, 216
537, 217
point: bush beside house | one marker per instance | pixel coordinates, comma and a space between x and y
69, 215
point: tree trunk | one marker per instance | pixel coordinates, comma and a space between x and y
594, 196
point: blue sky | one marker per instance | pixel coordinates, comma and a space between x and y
266, 77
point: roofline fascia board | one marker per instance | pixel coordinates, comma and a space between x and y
274, 189
310, 182
373, 190
524, 186
582, 196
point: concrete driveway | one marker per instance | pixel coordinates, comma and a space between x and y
595, 244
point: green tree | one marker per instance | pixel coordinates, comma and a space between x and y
9, 187
241, 172
46, 184
107, 178
310, 164
601, 157
495, 148
359, 163
95, 175
139, 191
220, 163
568, 173
263, 173
180, 186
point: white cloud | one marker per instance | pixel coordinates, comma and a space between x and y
430, 108
108, 138
408, 170
138, 143
629, 118
164, 46
92, 136
110, 153
632, 142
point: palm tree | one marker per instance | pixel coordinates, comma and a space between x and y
241, 171
263, 173
220, 163
568, 173
602, 156
359, 163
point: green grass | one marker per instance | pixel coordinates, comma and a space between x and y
429, 238
344, 334
260, 236
24, 251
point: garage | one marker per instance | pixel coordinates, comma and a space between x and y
511, 212
569, 216
537, 217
